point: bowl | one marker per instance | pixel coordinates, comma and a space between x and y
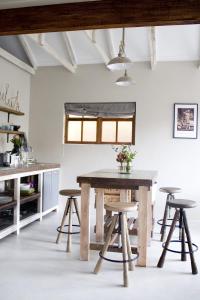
25, 186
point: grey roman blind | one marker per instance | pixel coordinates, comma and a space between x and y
101, 109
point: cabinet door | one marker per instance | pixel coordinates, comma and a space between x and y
50, 189
46, 191
54, 188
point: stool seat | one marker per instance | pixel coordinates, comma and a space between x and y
170, 190
70, 193
119, 207
182, 203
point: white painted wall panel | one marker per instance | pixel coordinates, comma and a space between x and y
178, 161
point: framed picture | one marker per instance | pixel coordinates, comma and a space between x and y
185, 120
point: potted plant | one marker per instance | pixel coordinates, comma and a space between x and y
17, 143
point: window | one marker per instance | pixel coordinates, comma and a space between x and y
93, 130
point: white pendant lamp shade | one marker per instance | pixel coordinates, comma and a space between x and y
124, 80
121, 62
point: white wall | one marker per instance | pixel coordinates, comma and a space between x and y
18, 80
155, 92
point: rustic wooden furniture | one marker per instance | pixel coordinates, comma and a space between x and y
180, 216
170, 191
71, 201
97, 15
120, 220
144, 180
46, 195
113, 195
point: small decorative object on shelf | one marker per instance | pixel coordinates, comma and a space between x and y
125, 156
8, 99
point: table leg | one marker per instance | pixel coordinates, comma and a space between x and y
144, 221
99, 215
124, 196
85, 222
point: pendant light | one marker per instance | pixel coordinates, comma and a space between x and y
124, 80
121, 62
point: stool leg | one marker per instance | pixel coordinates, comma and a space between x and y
187, 232
163, 227
124, 249
69, 238
162, 258
107, 242
63, 221
182, 236
131, 266
77, 211
171, 197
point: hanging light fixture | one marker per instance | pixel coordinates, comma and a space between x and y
121, 62
124, 80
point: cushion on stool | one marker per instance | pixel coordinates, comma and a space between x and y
170, 190
182, 203
70, 193
120, 206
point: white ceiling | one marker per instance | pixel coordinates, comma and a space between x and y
22, 3
172, 43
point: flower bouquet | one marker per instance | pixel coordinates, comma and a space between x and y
125, 156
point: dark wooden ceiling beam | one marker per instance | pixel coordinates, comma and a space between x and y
98, 14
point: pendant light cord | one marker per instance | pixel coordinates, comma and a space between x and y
122, 44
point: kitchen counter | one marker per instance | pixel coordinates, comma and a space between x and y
6, 171
26, 209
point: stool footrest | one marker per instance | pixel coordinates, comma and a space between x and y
66, 232
118, 261
160, 222
195, 247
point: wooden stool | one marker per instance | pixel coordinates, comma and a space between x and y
72, 200
121, 219
180, 216
170, 191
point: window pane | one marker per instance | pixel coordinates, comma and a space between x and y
124, 132
89, 131
74, 131
108, 131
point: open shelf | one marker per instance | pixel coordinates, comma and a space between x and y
8, 205
11, 111
28, 208
30, 198
11, 132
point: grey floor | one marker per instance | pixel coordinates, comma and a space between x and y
32, 266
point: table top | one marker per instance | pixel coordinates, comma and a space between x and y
110, 178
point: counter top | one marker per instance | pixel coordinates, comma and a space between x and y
4, 171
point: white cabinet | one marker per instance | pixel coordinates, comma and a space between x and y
50, 190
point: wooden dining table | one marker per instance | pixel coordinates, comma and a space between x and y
142, 180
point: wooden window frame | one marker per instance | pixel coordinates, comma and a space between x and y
99, 130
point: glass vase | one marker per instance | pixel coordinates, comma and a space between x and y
125, 168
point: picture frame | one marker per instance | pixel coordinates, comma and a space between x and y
185, 121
